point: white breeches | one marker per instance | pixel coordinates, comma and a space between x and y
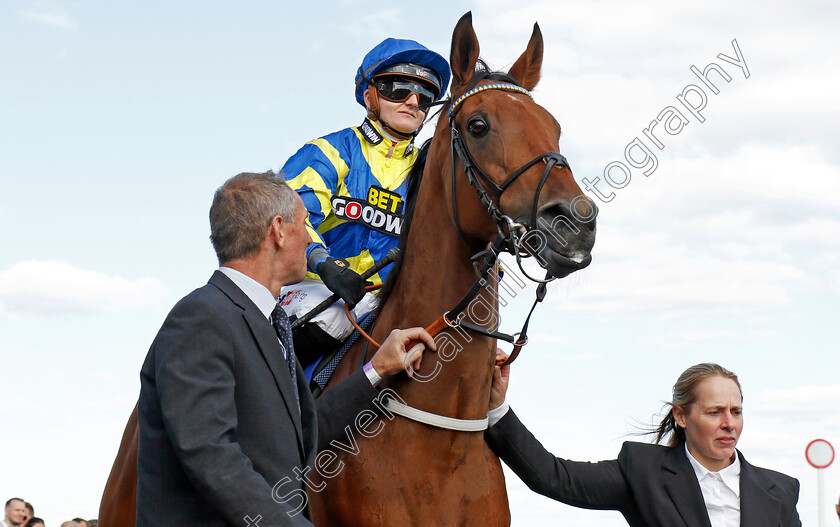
298, 299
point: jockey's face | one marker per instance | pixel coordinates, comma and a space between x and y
403, 117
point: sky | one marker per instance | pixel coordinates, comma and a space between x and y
118, 120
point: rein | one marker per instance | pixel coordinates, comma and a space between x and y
454, 318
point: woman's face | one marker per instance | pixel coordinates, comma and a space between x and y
713, 423
403, 116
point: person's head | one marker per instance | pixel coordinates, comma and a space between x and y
81, 522
396, 79
34, 522
250, 210
15, 510
705, 413
28, 512
70, 523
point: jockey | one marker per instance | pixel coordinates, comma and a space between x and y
353, 183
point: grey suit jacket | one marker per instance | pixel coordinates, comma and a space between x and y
221, 437
651, 485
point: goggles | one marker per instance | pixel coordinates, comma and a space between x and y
398, 90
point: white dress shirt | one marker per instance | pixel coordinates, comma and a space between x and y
496, 414
255, 291
265, 302
721, 492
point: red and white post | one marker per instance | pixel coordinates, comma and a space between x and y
820, 454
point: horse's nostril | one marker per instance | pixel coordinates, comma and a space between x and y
579, 213
585, 210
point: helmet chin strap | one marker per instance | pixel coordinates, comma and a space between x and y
373, 113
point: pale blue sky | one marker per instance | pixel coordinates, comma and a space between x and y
119, 120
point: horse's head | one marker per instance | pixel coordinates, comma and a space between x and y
508, 150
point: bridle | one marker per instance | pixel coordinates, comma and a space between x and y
510, 239
511, 231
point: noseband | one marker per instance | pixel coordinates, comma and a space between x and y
512, 232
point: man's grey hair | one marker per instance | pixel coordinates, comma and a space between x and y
242, 210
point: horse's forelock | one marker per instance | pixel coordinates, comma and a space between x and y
483, 72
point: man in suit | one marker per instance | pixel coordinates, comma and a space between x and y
228, 427
699, 480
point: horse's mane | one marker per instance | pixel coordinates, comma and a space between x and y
482, 72
414, 178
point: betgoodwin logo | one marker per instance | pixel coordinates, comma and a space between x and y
369, 215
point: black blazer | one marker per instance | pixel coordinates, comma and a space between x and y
219, 425
651, 485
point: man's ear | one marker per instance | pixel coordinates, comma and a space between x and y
277, 231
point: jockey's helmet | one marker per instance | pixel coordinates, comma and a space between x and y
403, 58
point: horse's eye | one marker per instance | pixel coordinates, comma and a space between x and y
478, 127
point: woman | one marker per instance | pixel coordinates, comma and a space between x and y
353, 183
698, 479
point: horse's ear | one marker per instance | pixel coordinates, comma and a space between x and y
526, 69
464, 52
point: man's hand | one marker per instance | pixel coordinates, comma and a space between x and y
391, 356
341, 280
501, 377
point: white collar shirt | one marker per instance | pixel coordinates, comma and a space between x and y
721, 491
255, 291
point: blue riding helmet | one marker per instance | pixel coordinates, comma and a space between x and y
393, 51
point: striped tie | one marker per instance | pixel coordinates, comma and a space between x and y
280, 321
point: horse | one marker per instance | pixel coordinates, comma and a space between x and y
118, 507
492, 178
508, 190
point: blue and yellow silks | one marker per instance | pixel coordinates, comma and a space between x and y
353, 183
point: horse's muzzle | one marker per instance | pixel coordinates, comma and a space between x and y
564, 236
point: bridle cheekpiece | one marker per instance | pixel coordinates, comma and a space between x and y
512, 232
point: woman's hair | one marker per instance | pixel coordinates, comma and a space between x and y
34, 522
684, 395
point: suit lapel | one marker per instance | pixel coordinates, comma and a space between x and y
758, 506
684, 489
268, 346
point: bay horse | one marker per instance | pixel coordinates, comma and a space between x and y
411, 473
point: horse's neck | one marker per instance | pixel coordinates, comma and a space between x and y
436, 273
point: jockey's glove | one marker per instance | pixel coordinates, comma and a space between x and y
341, 280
